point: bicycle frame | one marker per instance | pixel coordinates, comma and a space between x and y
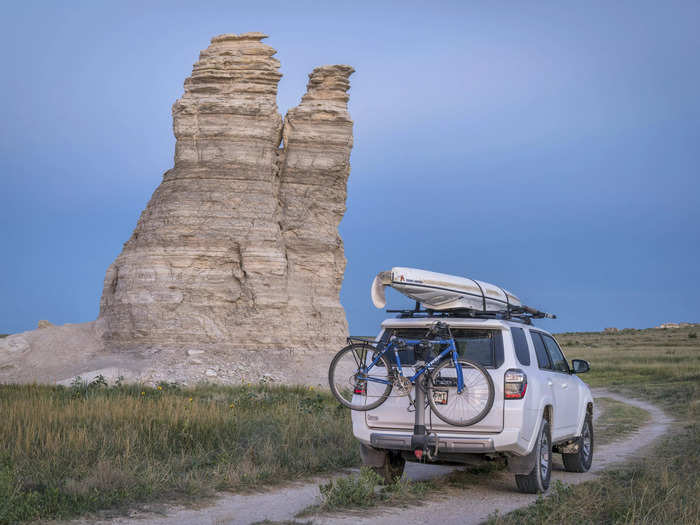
451, 348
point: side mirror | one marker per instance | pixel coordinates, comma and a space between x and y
579, 366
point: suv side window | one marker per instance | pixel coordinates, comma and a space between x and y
483, 346
540, 351
522, 351
558, 360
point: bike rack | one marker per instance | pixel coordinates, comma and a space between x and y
421, 441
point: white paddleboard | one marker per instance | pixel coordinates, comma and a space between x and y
439, 291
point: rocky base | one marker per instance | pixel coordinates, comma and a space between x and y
59, 354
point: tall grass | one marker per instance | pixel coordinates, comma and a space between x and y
65, 451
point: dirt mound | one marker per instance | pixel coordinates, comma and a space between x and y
58, 354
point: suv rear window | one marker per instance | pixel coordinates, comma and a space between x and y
482, 346
540, 351
522, 351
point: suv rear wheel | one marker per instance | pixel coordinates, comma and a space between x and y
581, 461
538, 479
392, 468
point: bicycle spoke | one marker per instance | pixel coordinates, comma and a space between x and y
355, 356
352, 384
472, 403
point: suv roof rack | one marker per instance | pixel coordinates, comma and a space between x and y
523, 314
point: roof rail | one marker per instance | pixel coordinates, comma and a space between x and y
524, 314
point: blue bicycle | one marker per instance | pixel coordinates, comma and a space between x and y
460, 392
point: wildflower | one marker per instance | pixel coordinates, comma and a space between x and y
190, 399
143, 393
160, 387
231, 405
311, 388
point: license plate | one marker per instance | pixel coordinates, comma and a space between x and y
440, 397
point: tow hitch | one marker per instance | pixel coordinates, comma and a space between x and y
422, 443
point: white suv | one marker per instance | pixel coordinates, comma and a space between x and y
540, 406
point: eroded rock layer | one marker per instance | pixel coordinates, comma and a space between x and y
239, 244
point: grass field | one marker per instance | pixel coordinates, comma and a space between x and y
67, 451
662, 366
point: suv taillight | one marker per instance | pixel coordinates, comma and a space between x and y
514, 384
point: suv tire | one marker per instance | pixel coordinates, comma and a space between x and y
538, 479
392, 468
581, 461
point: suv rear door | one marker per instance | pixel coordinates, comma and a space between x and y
484, 346
565, 391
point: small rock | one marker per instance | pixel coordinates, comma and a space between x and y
196, 361
43, 323
210, 373
268, 378
195, 352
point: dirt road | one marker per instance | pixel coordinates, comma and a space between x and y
495, 492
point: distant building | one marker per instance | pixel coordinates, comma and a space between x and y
610, 330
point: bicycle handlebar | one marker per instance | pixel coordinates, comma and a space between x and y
438, 328
437, 331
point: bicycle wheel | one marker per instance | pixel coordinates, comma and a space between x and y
465, 408
352, 385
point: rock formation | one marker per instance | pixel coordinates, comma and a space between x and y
239, 246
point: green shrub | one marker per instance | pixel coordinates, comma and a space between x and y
365, 490
351, 491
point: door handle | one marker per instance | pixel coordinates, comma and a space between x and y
565, 385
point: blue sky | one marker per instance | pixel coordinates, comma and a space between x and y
552, 149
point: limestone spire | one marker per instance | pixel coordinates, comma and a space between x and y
238, 248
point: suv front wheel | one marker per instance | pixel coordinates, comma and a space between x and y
538, 479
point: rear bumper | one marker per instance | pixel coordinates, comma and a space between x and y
508, 440
472, 445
